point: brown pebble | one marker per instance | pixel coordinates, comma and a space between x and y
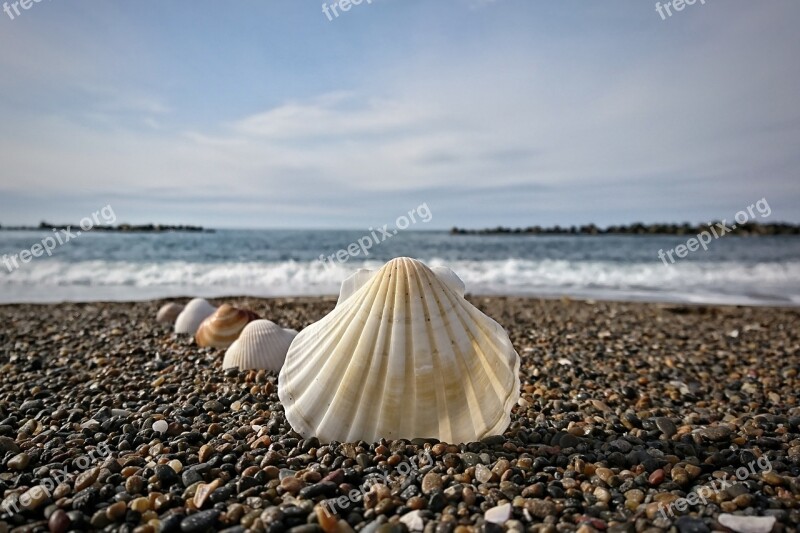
61, 491
327, 521
439, 449
59, 521
250, 471
772, 478
604, 473
728, 507
602, 495
19, 461
203, 491
291, 485
743, 501
541, 508
205, 453
416, 502
86, 479
312, 476
134, 484
657, 477
635, 495
431, 482
128, 471
36, 497
385, 506
500, 467
679, 476
693, 471
99, 520
652, 510
115, 511
140, 505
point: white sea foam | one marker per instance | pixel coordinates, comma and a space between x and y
711, 282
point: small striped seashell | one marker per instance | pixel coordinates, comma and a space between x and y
168, 313
224, 326
193, 315
262, 345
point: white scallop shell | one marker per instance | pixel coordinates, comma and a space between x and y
193, 315
403, 356
261, 345
363, 275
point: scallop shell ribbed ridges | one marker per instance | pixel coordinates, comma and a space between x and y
262, 345
404, 356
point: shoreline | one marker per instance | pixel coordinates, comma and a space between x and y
666, 302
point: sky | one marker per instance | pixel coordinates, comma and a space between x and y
266, 114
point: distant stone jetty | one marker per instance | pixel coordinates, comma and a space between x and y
748, 229
121, 228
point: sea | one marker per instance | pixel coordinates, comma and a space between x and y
103, 266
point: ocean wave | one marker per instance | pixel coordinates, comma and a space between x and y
709, 282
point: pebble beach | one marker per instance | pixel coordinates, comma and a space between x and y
633, 417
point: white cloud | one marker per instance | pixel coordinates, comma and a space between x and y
717, 110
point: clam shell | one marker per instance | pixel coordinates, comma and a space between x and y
403, 356
224, 326
262, 345
168, 313
193, 315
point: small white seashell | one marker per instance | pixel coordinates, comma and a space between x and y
168, 313
403, 356
193, 315
261, 345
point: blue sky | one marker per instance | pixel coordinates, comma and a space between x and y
514, 112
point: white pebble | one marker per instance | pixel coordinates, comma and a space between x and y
413, 521
747, 524
160, 426
499, 514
